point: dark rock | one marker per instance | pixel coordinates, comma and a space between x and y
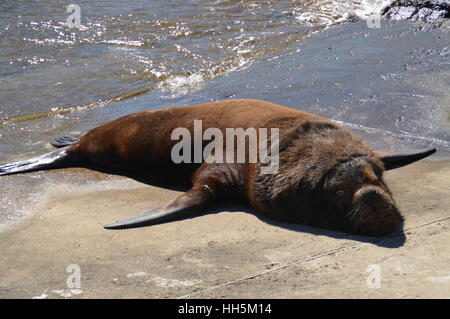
415, 10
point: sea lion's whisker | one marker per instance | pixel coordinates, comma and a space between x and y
355, 211
361, 215
351, 212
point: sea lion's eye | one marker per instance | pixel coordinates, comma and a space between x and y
340, 193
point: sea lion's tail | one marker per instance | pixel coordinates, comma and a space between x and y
56, 159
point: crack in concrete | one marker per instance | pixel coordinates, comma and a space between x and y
328, 253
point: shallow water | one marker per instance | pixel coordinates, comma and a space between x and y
51, 74
389, 84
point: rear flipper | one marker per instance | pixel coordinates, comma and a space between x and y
65, 140
56, 159
192, 202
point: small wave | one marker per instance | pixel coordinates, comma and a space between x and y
50, 41
22, 197
327, 13
179, 85
57, 111
124, 42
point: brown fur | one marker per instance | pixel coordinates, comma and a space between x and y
327, 176
306, 189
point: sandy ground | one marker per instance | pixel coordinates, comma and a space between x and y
227, 254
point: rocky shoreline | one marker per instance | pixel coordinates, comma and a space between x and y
418, 10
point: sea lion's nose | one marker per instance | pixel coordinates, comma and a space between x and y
369, 193
381, 215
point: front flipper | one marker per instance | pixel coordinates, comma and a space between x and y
189, 203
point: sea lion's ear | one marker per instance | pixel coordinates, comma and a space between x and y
392, 161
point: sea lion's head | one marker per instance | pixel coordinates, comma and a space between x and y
330, 178
355, 190
357, 194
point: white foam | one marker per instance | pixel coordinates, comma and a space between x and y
179, 85
326, 12
124, 42
370, 7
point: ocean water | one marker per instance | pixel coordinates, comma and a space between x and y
122, 49
127, 56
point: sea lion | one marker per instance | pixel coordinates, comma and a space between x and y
327, 176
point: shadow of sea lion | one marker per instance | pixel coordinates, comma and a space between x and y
393, 240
